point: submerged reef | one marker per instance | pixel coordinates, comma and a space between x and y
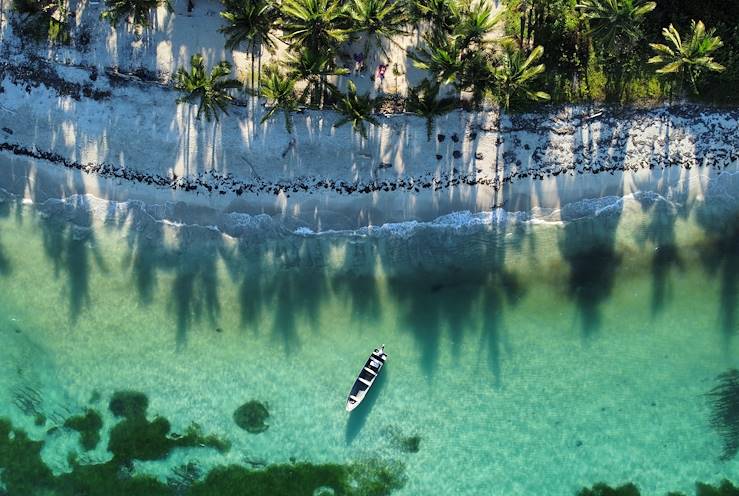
725, 415
88, 425
137, 438
134, 437
602, 489
128, 404
363, 479
251, 417
725, 488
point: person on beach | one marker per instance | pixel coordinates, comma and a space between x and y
358, 63
381, 74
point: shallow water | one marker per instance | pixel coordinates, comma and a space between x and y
529, 356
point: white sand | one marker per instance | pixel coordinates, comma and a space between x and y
141, 129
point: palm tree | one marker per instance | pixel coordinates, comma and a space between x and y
315, 24
137, 11
615, 24
477, 75
515, 74
250, 22
440, 57
210, 91
313, 67
44, 19
442, 15
687, 60
475, 23
279, 89
355, 108
378, 19
422, 101
615, 28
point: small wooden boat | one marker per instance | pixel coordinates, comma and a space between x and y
366, 378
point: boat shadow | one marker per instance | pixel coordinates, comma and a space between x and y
358, 417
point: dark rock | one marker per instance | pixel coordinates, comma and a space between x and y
473, 136
457, 154
88, 425
455, 138
8, 130
478, 156
129, 404
440, 137
251, 417
439, 157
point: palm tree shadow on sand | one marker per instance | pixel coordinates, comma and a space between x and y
358, 417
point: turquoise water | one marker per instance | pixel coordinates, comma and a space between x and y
525, 357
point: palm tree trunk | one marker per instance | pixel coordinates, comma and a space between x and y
259, 69
523, 31
252, 67
213, 157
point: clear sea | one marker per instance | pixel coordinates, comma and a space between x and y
528, 354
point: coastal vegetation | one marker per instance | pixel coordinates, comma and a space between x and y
526, 52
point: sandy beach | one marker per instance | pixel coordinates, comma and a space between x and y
130, 140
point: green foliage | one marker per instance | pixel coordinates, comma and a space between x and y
251, 416
279, 90
478, 75
616, 29
515, 75
316, 24
378, 19
442, 15
313, 67
43, 20
476, 22
687, 60
615, 24
602, 489
423, 101
135, 11
355, 108
88, 425
724, 399
441, 57
210, 91
249, 22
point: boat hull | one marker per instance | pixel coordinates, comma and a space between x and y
366, 378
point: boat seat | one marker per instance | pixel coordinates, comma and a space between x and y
370, 371
364, 381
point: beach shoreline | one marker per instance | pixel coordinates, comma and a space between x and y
121, 140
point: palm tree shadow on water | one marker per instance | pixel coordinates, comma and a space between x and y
358, 418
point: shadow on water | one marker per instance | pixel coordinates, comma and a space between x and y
661, 232
282, 285
194, 293
358, 418
588, 247
721, 261
4, 262
69, 242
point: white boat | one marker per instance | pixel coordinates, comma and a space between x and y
366, 378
